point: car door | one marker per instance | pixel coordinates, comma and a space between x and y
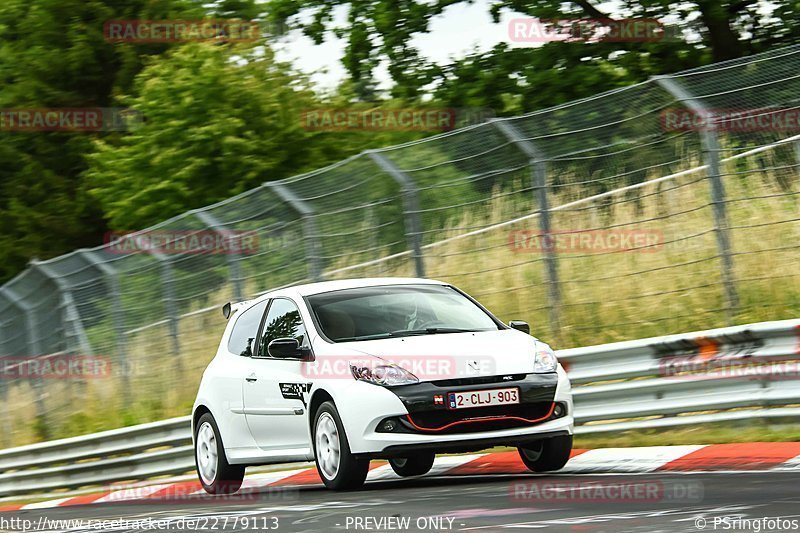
275, 390
228, 375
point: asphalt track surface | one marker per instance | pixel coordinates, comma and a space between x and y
681, 502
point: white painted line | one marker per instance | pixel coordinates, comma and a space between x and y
46, 505
382, 473
627, 459
135, 493
790, 465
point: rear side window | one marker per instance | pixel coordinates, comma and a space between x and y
246, 327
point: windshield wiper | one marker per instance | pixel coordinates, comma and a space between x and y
365, 337
428, 331
404, 333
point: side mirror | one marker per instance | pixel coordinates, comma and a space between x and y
520, 325
285, 349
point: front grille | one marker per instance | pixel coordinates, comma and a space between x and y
478, 419
506, 378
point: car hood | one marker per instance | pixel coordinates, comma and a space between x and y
453, 355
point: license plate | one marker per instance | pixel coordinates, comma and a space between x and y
482, 398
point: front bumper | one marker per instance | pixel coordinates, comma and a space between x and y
424, 424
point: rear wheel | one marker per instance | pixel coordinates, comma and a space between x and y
548, 454
415, 465
216, 475
337, 466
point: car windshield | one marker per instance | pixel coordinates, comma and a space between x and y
397, 311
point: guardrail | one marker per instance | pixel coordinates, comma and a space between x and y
727, 374
677, 379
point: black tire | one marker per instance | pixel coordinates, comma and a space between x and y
227, 478
548, 454
350, 470
415, 465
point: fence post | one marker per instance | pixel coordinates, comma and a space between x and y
710, 142
538, 165
233, 257
797, 154
311, 233
118, 319
411, 207
168, 283
34, 349
7, 427
73, 327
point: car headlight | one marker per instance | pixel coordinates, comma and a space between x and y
386, 375
545, 360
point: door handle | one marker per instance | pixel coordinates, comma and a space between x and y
251, 378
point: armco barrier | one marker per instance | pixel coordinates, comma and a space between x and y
619, 386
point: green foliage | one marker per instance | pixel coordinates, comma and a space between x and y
53, 54
217, 121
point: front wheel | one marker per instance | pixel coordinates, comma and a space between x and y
338, 468
216, 475
548, 454
416, 465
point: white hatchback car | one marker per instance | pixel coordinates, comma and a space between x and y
342, 372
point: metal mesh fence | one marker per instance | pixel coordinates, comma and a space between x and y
643, 211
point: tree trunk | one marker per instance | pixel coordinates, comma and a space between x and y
722, 39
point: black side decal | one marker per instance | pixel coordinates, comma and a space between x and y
295, 391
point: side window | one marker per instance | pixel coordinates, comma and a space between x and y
246, 327
283, 320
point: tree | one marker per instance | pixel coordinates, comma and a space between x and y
53, 53
511, 80
217, 120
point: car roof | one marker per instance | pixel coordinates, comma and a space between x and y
310, 289
328, 286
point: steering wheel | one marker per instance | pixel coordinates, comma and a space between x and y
431, 324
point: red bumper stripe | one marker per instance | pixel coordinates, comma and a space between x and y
487, 419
